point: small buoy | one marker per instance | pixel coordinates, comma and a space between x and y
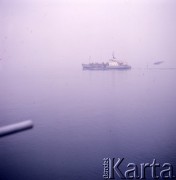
17, 127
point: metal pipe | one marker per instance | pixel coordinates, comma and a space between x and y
14, 128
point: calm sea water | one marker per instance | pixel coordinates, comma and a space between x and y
81, 117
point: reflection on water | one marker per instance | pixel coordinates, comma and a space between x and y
83, 116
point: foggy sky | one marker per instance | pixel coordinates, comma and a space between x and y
51, 34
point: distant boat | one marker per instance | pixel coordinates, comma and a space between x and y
158, 62
112, 64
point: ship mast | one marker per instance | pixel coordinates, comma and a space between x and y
113, 56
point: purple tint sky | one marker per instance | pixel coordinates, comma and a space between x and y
52, 33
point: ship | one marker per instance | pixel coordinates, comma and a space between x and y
112, 64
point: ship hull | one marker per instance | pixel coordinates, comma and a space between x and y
105, 67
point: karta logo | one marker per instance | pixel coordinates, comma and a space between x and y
113, 170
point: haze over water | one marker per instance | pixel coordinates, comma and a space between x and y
81, 116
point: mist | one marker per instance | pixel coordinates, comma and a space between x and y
81, 117
53, 34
